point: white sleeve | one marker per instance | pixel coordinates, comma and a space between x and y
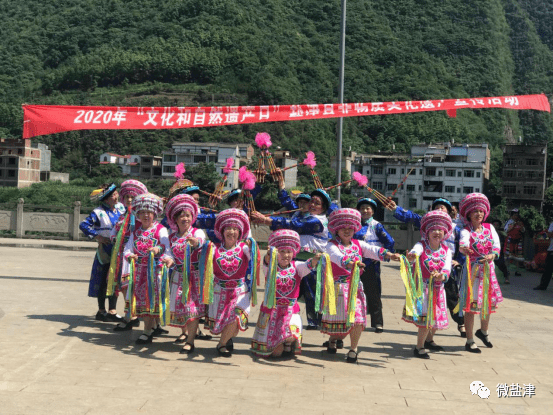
370, 251
417, 249
447, 266
200, 235
302, 268
334, 254
247, 251
164, 240
464, 240
496, 240
129, 250
550, 229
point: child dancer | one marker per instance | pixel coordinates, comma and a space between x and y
149, 247
229, 307
434, 258
279, 328
186, 308
347, 255
480, 292
119, 267
98, 226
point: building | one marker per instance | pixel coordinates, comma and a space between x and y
435, 170
217, 153
19, 163
524, 174
135, 165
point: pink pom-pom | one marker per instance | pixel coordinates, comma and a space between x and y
360, 179
310, 160
250, 182
179, 171
228, 168
247, 178
263, 140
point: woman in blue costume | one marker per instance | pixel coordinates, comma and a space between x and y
452, 242
373, 233
314, 236
98, 226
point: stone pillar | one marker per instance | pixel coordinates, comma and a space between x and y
19, 231
76, 221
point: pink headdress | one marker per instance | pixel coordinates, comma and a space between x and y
148, 202
310, 160
436, 219
229, 166
344, 218
263, 140
247, 178
285, 239
132, 188
179, 171
232, 217
474, 201
176, 205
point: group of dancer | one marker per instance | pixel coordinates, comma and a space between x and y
200, 265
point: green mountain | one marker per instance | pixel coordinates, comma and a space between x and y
234, 52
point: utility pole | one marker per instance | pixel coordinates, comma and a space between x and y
341, 100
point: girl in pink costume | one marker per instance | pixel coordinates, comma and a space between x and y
228, 312
480, 292
435, 266
279, 328
150, 238
346, 255
182, 211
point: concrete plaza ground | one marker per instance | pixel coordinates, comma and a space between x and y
56, 359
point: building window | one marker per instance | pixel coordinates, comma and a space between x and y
510, 162
477, 190
530, 190
410, 187
439, 172
170, 158
531, 174
168, 169
531, 162
467, 189
509, 174
146, 170
468, 173
377, 185
478, 174
459, 173
105, 158
11, 173
12, 161
146, 160
392, 171
420, 172
509, 189
420, 187
412, 203
377, 170
391, 187
458, 190
450, 173
450, 189
402, 171
430, 171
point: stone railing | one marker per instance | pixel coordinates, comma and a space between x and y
67, 224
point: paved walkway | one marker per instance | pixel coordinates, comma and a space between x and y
56, 359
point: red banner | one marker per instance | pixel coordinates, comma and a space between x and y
50, 119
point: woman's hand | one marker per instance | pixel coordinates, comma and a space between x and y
132, 256
260, 218
393, 257
487, 258
155, 249
194, 242
390, 205
466, 250
315, 259
411, 256
167, 261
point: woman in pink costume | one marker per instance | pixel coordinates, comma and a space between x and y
346, 255
186, 241
279, 328
434, 258
480, 292
149, 247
